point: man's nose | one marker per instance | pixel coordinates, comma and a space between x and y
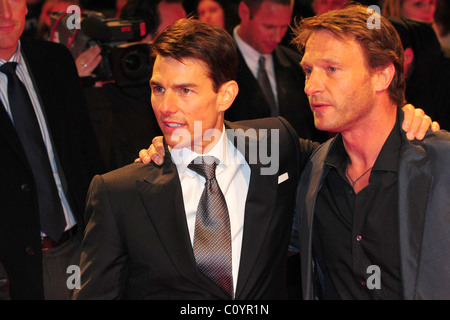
313, 84
278, 34
168, 103
5, 9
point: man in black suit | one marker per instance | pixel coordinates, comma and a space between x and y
263, 26
36, 263
142, 235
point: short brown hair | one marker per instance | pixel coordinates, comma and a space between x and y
392, 8
190, 38
254, 5
381, 45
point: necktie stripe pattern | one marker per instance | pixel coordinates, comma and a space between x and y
27, 128
212, 237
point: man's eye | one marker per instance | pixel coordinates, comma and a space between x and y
157, 89
332, 69
185, 91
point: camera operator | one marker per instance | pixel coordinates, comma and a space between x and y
157, 16
88, 60
121, 114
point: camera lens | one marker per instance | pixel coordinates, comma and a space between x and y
133, 62
132, 65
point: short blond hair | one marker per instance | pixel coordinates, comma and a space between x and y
381, 46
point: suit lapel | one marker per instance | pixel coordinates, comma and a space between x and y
9, 133
250, 84
413, 180
162, 197
284, 83
315, 178
259, 207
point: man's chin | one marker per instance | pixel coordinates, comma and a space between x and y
174, 144
322, 125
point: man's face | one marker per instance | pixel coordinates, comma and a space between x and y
169, 13
339, 86
50, 7
422, 10
210, 11
322, 6
264, 29
12, 23
182, 98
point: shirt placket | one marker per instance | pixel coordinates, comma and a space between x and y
358, 256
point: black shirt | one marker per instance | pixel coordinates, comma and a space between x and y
354, 232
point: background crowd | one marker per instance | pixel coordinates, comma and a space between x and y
120, 114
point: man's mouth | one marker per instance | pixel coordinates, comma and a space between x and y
317, 105
6, 27
173, 124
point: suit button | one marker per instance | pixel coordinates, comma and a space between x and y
29, 251
25, 187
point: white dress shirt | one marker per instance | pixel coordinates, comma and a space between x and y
233, 177
24, 76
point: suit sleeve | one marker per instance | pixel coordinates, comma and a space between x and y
305, 150
103, 258
305, 147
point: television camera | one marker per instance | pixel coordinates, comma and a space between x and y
125, 60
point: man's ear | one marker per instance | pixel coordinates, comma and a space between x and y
226, 94
384, 77
409, 58
244, 11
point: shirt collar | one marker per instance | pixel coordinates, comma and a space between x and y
247, 51
182, 157
387, 159
16, 57
337, 156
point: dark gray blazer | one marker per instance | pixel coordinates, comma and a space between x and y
424, 215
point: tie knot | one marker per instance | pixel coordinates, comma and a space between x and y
262, 61
8, 68
204, 166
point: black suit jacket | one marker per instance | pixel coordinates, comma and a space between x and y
57, 85
137, 243
293, 103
